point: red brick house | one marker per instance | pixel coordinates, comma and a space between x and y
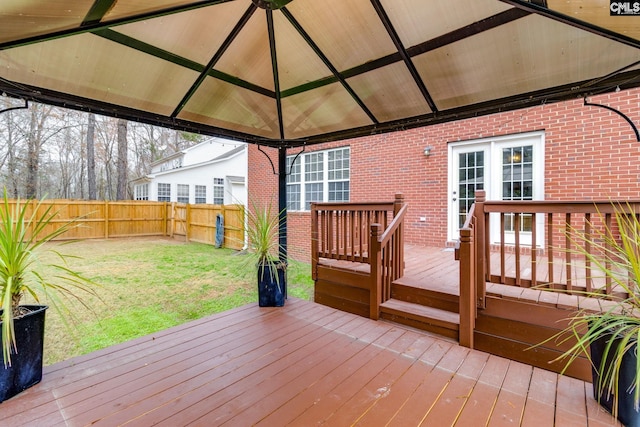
566, 150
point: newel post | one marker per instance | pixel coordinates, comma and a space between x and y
398, 203
467, 288
481, 247
375, 258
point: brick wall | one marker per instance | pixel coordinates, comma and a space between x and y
590, 153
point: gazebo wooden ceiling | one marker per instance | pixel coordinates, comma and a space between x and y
288, 73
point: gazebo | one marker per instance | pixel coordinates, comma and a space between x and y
283, 74
288, 74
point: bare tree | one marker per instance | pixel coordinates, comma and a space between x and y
123, 162
91, 156
44, 150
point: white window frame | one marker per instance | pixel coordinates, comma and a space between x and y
302, 176
218, 191
182, 193
164, 192
200, 194
141, 192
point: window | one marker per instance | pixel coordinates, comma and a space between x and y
338, 175
321, 176
164, 192
293, 184
218, 191
183, 193
201, 194
141, 192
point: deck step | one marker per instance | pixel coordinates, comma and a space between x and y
422, 292
431, 319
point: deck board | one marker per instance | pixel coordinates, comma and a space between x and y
299, 365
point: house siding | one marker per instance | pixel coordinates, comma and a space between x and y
590, 153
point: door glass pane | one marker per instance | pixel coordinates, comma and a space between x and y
471, 178
517, 181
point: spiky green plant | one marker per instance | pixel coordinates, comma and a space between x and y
22, 237
614, 253
262, 225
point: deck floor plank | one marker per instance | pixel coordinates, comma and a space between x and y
165, 376
303, 364
510, 405
480, 404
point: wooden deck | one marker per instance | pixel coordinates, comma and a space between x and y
301, 365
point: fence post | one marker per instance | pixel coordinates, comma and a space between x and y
106, 219
481, 247
187, 222
173, 219
467, 288
375, 258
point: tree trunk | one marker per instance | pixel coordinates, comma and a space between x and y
33, 155
91, 157
121, 192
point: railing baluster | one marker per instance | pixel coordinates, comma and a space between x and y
567, 221
516, 227
502, 255
534, 251
587, 248
608, 288
550, 236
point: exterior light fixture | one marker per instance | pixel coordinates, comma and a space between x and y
427, 150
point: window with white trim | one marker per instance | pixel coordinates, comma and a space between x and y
200, 194
218, 191
183, 193
294, 179
164, 192
321, 176
141, 192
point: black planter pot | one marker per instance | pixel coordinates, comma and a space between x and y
626, 412
271, 285
26, 365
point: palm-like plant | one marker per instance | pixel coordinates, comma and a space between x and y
262, 233
262, 226
614, 252
22, 237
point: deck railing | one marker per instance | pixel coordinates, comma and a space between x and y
533, 244
368, 233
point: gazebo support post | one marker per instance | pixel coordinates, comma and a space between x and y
282, 207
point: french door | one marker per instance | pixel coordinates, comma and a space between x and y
507, 168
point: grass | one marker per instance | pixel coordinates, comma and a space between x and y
152, 284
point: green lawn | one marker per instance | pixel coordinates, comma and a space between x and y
152, 284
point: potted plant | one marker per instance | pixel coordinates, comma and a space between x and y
262, 226
24, 229
609, 338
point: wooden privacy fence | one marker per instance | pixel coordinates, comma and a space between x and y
132, 218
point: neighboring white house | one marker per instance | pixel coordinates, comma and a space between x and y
213, 172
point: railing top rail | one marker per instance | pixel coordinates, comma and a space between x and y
397, 220
553, 206
470, 214
378, 206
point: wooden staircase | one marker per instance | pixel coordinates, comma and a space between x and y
434, 309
